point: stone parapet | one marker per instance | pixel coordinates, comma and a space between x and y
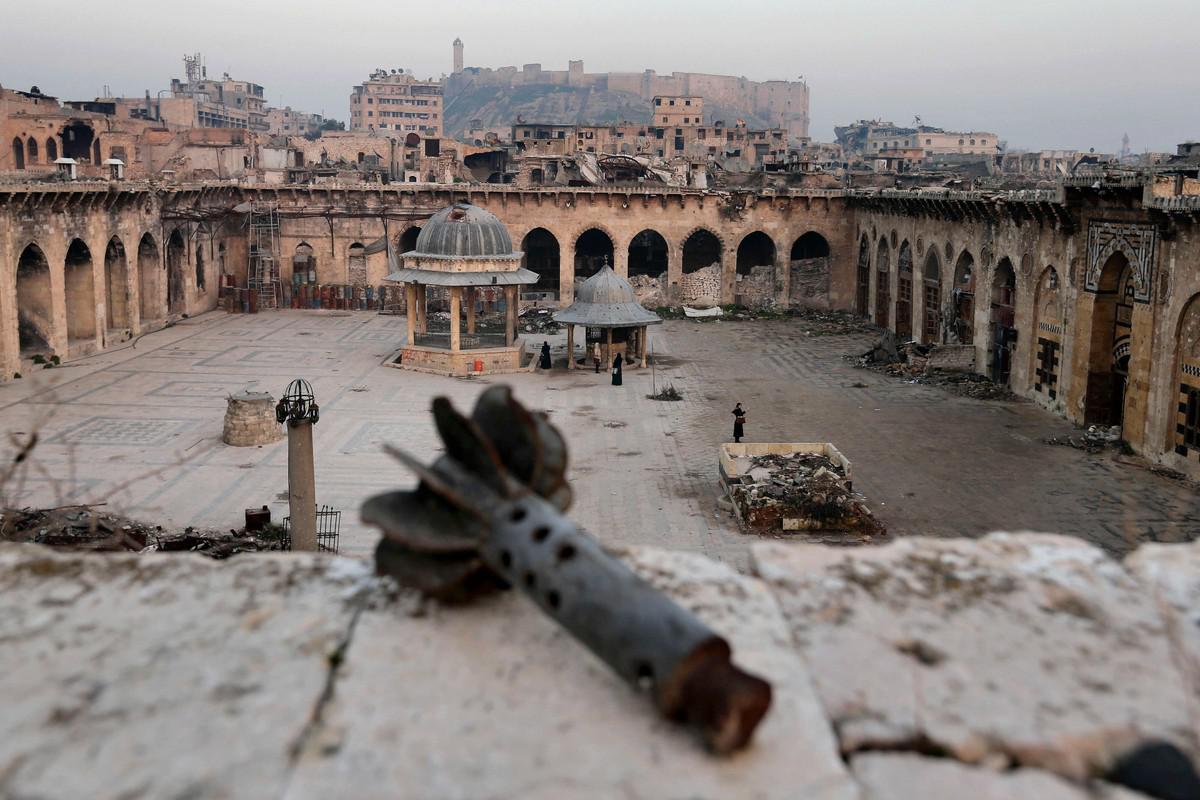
1027, 663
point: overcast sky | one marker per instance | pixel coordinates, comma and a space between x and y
1040, 73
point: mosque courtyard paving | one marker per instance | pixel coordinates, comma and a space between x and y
140, 427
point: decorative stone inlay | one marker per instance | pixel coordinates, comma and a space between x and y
1135, 242
250, 420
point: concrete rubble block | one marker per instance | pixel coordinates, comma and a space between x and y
1023, 649
162, 676
493, 700
907, 776
1171, 575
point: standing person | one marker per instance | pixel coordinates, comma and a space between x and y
596, 356
616, 370
739, 420
545, 362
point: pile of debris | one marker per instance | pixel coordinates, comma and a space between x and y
539, 321
84, 527
800, 491
817, 322
931, 364
1094, 440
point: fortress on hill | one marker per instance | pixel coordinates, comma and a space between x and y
491, 96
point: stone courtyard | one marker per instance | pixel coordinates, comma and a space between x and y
139, 428
1003, 666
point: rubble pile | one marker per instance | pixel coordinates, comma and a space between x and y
1094, 440
911, 362
800, 491
648, 289
539, 321
90, 529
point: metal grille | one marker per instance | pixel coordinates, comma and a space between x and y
329, 526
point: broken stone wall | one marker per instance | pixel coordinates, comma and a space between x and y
809, 287
701, 288
757, 289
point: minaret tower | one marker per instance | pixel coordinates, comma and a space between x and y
458, 55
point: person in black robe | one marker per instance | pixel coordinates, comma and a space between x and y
739, 420
544, 363
616, 370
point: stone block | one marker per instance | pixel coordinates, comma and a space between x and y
494, 700
163, 676
1030, 649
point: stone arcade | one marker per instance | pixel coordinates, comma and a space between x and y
1084, 299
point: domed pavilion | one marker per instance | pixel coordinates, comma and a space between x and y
466, 252
606, 306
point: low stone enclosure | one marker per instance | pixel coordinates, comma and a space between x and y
1015, 666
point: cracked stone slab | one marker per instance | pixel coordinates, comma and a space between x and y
164, 675
908, 776
494, 700
1171, 573
1025, 649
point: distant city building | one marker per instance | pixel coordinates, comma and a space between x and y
286, 122
869, 137
397, 101
226, 103
670, 111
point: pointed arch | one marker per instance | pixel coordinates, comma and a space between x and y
1184, 404
541, 254
904, 292
649, 253
701, 248
593, 248
80, 286
31, 151
883, 281
51, 150
35, 315
176, 256
116, 285
862, 295
149, 267
931, 295
18, 153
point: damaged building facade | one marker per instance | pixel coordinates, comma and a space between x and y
1084, 298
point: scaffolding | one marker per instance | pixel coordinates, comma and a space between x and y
262, 274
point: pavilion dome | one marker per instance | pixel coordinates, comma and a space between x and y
605, 288
606, 300
464, 231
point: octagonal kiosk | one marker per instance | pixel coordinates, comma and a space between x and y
605, 306
464, 258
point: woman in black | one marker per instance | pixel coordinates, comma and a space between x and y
545, 361
739, 419
616, 370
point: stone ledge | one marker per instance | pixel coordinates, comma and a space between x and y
1027, 660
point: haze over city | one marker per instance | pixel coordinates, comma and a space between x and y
1046, 75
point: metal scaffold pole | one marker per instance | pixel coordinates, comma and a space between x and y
262, 274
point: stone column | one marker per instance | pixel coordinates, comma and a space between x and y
642, 343
510, 315
410, 311
570, 346
566, 275
674, 274
302, 487
608, 355
621, 261
470, 310
422, 308
455, 314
